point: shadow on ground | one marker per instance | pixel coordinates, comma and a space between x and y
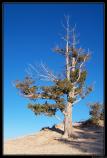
53, 129
89, 140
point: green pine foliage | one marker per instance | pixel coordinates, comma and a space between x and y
102, 114
46, 108
96, 112
74, 75
64, 85
26, 86
82, 56
83, 77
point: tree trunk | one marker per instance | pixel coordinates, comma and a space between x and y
68, 121
68, 129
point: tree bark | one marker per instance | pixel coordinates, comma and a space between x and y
68, 129
68, 121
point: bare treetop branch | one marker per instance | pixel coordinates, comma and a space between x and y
41, 72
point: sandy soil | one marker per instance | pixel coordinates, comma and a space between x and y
90, 141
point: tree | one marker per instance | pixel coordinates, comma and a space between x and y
102, 114
96, 113
66, 91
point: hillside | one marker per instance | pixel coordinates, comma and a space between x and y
50, 141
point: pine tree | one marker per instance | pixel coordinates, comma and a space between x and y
96, 113
102, 114
66, 92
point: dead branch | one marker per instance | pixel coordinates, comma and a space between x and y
76, 101
41, 72
57, 117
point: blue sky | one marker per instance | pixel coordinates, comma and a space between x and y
30, 31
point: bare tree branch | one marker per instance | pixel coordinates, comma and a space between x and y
74, 40
41, 71
63, 25
77, 101
57, 117
49, 73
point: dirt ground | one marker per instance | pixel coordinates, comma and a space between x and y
49, 141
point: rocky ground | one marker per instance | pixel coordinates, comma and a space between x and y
48, 141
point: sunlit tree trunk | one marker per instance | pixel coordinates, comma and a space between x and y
68, 129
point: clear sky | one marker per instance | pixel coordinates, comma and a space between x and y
30, 31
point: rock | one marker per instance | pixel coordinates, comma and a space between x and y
60, 126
